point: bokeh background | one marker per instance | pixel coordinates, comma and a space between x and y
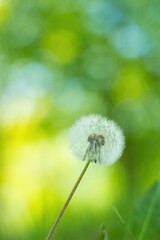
60, 60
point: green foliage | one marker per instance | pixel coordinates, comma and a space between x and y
103, 233
147, 215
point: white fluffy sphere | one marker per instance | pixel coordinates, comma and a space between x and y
94, 124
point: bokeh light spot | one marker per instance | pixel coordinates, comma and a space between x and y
63, 44
131, 41
132, 84
28, 82
4, 10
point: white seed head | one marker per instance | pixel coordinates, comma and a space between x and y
97, 139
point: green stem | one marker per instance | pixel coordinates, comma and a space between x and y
55, 225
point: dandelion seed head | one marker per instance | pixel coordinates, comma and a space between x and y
97, 139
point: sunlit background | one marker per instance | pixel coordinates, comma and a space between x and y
60, 60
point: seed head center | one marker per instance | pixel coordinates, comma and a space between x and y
98, 139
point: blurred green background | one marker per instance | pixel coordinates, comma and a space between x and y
60, 60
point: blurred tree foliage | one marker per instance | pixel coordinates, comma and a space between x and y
60, 60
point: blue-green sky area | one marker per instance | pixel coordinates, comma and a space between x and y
60, 60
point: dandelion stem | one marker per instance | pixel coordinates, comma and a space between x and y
56, 223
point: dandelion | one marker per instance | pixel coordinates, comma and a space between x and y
97, 139
93, 139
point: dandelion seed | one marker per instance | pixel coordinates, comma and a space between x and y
97, 139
